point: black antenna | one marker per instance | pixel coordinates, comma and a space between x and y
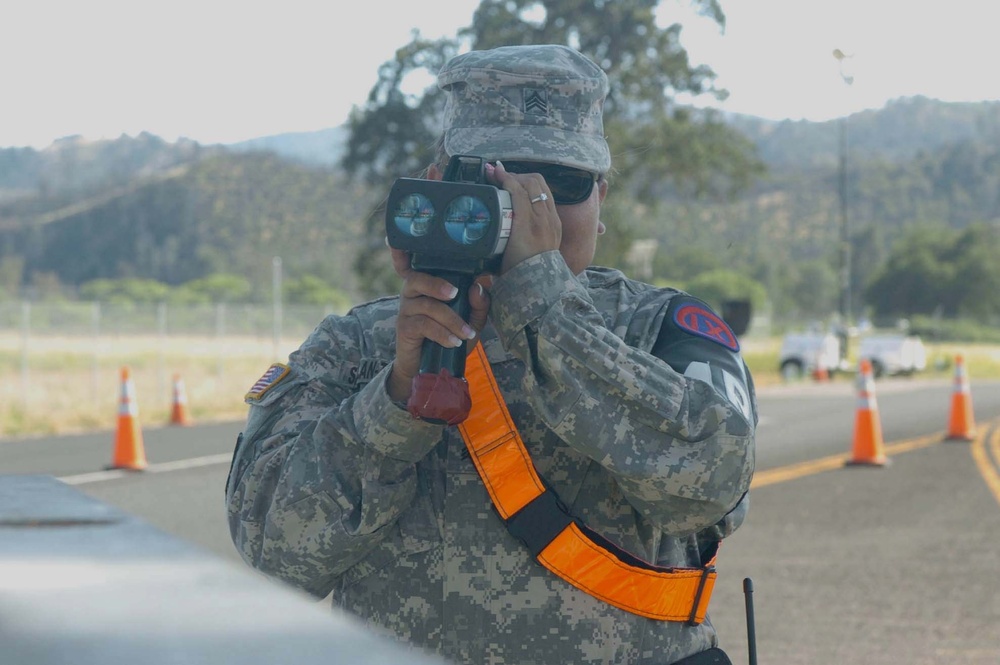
751, 631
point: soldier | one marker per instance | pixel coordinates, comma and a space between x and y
631, 412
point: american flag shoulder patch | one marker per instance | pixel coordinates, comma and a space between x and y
274, 374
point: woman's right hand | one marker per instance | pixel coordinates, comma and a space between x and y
424, 314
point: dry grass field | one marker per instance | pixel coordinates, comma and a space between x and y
72, 384
57, 385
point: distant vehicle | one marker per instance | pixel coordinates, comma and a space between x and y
804, 353
894, 355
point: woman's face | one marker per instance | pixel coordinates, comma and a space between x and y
580, 224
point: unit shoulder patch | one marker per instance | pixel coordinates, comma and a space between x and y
699, 320
274, 374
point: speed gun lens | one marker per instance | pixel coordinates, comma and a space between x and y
414, 214
467, 219
449, 225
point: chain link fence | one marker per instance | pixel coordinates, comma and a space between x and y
61, 362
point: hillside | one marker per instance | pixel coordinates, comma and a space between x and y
897, 132
902, 129
320, 148
915, 162
73, 167
225, 213
142, 207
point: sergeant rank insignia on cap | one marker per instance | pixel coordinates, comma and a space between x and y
535, 102
268, 380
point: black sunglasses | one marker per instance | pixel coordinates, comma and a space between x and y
569, 186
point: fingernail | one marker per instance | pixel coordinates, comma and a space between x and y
500, 165
449, 291
481, 291
454, 341
490, 168
468, 332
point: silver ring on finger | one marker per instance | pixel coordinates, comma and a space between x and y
541, 197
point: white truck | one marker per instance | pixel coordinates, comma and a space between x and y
894, 355
803, 354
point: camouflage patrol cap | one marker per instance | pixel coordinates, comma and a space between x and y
537, 103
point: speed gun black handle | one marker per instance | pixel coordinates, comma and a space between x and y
439, 392
433, 356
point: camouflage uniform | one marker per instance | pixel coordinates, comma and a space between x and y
640, 421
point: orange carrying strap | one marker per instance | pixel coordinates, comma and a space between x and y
534, 515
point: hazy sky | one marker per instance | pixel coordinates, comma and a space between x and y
224, 71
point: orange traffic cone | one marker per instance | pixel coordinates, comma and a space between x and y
179, 412
129, 452
868, 447
820, 372
961, 423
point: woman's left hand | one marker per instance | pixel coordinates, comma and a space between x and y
536, 227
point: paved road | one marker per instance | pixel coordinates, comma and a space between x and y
897, 564
181, 492
879, 566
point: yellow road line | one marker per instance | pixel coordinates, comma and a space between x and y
988, 467
792, 471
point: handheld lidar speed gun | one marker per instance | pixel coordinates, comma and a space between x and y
455, 228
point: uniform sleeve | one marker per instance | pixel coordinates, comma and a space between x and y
676, 431
323, 469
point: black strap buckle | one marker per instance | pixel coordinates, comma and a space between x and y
705, 572
539, 522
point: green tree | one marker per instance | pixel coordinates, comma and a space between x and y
129, 290
976, 283
46, 286
657, 143
220, 288
11, 272
681, 263
717, 286
935, 269
814, 289
311, 290
917, 277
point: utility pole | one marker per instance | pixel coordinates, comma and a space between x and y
845, 225
277, 314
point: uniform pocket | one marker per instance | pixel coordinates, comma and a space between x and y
415, 531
